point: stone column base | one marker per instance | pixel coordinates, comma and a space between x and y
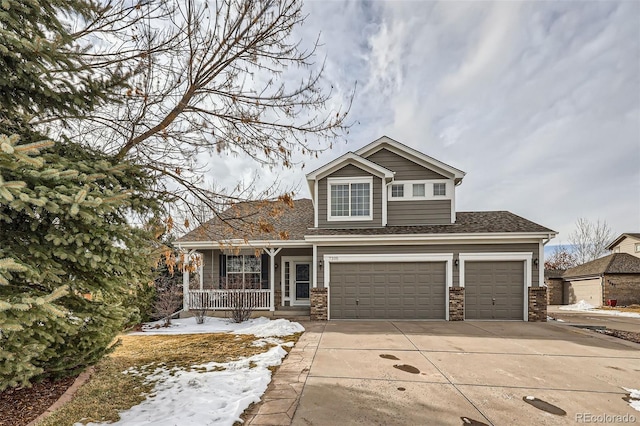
319, 304
456, 303
537, 304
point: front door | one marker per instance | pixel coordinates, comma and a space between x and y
302, 274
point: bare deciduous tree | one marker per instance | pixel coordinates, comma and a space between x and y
208, 77
590, 239
561, 259
168, 299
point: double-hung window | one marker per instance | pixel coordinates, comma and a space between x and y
350, 199
243, 271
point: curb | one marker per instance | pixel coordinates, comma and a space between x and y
575, 328
66, 396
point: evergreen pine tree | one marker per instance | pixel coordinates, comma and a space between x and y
71, 265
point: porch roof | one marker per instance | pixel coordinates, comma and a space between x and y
257, 221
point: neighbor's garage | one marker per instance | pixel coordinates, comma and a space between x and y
589, 290
388, 290
494, 290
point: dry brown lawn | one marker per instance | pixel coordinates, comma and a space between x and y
110, 391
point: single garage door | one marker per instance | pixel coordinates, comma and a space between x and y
494, 290
588, 290
387, 290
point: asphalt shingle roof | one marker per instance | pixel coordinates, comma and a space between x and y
616, 263
246, 221
257, 220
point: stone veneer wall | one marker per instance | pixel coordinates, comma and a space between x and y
456, 303
538, 304
277, 300
319, 304
554, 291
624, 288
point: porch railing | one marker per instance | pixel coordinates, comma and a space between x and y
222, 299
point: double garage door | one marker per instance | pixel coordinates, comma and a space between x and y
417, 290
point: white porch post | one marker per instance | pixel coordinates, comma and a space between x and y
185, 280
272, 278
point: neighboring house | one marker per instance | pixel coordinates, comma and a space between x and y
616, 276
380, 239
626, 243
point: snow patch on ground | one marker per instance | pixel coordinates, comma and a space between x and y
213, 393
580, 306
204, 398
259, 327
583, 306
554, 319
634, 398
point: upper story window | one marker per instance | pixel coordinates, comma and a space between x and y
418, 190
617, 249
397, 190
637, 247
350, 199
439, 189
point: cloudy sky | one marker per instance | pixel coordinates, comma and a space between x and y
539, 102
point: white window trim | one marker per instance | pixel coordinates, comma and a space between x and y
428, 190
433, 190
349, 181
293, 260
636, 247
244, 273
328, 259
526, 257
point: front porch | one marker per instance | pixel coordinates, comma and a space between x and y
274, 280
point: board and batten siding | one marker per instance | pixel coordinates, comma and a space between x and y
425, 212
433, 248
350, 171
405, 169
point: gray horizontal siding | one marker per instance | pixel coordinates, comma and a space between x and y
425, 212
350, 171
211, 265
405, 169
439, 248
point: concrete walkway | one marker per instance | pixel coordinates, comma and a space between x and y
381, 372
281, 399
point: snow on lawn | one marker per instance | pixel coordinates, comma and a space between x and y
583, 306
213, 393
259, 327
634, 398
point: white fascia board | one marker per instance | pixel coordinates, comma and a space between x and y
403, 150
350, 158
244, 244
430, 238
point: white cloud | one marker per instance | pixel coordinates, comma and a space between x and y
539, 102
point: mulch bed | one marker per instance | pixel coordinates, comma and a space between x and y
19, 406
626, 335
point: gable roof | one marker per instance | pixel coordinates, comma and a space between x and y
246, 220
416, 156
618, 240
350, 158
615, 263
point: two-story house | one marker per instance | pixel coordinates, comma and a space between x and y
380, 238
626, 243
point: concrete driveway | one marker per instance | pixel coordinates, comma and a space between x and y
383, 372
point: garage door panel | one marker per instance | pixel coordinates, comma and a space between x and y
494, 290
388, 290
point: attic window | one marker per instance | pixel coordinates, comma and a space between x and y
439, 189
397, 191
